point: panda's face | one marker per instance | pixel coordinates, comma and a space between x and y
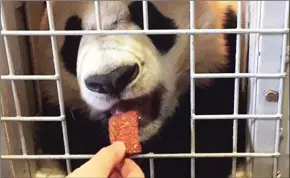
117, 73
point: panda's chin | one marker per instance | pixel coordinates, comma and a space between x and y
147, 107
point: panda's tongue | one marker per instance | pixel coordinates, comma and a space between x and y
124, 107
118, 111
143, 106
121, 111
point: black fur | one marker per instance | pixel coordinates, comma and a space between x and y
71, 44
87, 137
157, 21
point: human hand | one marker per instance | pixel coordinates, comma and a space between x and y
109, 162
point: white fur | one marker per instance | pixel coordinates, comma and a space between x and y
104, 54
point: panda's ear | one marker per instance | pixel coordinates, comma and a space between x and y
69, 50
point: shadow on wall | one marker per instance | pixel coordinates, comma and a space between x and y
5, 170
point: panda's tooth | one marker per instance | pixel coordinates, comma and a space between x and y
117, 111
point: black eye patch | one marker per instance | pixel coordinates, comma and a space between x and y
69, 51
157, 21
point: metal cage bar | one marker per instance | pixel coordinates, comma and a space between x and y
236, 88
29, 77
98, 14
205, 75
254, 83
151, 167
177, 155
280, 90
145, 15
58, 82
29, 119
138, 32
196, 117
146, 27
192, 87
13, 85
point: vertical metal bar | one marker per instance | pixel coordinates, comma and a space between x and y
145, 14
237, 83
145, 25
12, 72
255, 81
151, 162
98, 14
58, 82
192, 86
281, 85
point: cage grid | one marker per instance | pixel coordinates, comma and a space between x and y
253, 77
14, 90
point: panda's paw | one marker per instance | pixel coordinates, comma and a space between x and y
241, 173
49, 173
49, 169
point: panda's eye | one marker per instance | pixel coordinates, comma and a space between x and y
114, 25
117, 23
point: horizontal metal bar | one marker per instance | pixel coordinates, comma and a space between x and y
150, 155
207, 155
55, 0
197, 117
29, 77
136, 32
23, 119
240, 75
239, 116
212, 75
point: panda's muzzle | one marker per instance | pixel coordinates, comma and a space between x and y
147, 106
113, 82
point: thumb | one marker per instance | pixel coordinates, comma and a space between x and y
101, 164
107, 158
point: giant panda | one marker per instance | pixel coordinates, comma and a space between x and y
106, 74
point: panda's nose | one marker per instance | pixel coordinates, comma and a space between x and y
113, 82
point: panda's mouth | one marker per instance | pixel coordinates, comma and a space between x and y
147, 107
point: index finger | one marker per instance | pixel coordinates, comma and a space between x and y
107, 158
103, 162
131, 169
